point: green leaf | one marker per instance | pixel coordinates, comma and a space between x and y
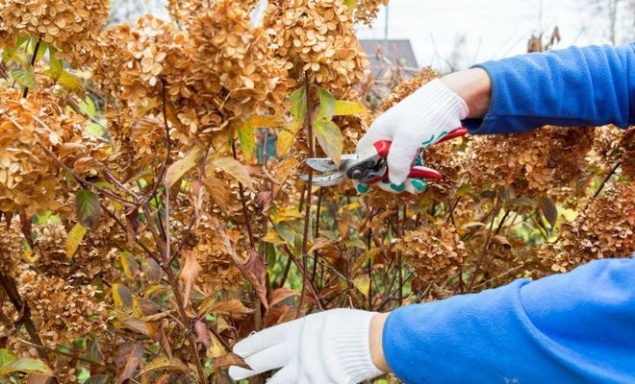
180, 167
345, 108
6, 357
8, 54
246, 138
327, 103
25, 78
26, 365
298, 103
88, 107
41, 50
87, 208
330, 138
73, 239
56, 65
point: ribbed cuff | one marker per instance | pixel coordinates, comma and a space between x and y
352, 338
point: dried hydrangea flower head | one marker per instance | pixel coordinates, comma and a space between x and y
73, 26
317, 36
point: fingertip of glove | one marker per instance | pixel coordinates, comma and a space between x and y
238, 373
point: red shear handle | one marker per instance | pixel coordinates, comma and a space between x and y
415, 172
383, 147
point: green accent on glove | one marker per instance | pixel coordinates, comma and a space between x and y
362, 188
398, 188
426, 143
419, 185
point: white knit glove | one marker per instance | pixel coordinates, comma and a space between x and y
416, 122
327, 347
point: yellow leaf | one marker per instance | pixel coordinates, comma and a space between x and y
164, 364
129, 265
266, 121
121, 296
176, 171
286, 137
246, 138
73, 239
216, 350
71, 82
273, 238
234, 168
362, 283
350, 4
344, 108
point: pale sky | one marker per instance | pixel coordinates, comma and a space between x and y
492, 28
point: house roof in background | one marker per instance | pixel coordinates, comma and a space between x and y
396, 52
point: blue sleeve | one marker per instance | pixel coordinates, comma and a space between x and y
593, 85
577, 327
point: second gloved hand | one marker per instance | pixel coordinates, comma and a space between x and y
323, 348
419, 120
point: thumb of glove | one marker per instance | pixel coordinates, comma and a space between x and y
400, 158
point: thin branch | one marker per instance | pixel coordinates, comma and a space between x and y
606, 179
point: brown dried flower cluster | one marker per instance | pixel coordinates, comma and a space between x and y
435, 252
94, 256
10, 245
317, 36
530, 162
66, 312
219, 270
627, 144
605, 229
366, 10
72, 26
28, 175
185, 11
233, 62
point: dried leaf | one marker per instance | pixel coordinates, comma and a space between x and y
281, 294
256, 274
228, 360
231, 307
180, 167
218, 191
283, 170
73, 239
235, 169
128, 360
164, 364
362, 283
549, 210
26, 365
189, 272
286, 137
202, 334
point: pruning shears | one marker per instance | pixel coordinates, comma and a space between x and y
368, 166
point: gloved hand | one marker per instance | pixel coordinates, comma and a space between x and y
327, 347
418, 121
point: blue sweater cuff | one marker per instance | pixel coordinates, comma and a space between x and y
593, 85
